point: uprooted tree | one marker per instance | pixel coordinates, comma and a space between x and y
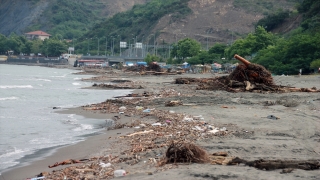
246, 77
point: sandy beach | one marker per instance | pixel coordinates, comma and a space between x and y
242, 119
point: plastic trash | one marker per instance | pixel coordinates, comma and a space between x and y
37, 178
272, 117
198, 117
198, 128
104, 165
223, 129
171, 112
139, 107
156, 124
121, 112
187, 119
146, 111
122, 108
210, 127
215, 130
119, 173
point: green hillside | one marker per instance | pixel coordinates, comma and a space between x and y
68, 19
300, 49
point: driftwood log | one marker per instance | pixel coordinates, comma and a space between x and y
222, 158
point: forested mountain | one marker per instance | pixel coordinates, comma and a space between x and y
281, 35
64, 18
204, 20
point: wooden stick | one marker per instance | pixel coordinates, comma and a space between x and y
243, 60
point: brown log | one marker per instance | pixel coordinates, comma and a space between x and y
282, 164
243, 60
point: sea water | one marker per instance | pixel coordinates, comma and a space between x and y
28, 122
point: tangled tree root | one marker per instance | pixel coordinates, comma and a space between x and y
184, 152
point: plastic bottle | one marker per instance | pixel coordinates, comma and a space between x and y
119, 173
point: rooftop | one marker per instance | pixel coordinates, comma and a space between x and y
39, 33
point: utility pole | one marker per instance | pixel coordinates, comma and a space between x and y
98, 46
232, 38
106, 46
120, 45
113, 46
154, 45
207, 41
88, 47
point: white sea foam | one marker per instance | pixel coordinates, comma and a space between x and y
34, 79
15, 86
14, 151
71, 119
40, 141
76, 84
82, 127
59, 76
77, 78
8, 98
47, 80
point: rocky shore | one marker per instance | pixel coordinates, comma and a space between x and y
167, 130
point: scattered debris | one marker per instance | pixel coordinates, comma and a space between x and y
174, 103
68, 161
246, 77
118, 86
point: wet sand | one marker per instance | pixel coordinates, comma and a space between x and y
296, 135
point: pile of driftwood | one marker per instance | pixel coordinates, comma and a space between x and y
184, 152
246, 77
151, 67
117, 86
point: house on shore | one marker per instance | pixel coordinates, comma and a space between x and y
37, 35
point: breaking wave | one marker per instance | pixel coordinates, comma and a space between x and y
8, 98
15, 86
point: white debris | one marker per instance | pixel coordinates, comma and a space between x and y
122, 108
215, 130
156, 124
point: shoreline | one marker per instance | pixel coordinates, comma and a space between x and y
271, 139
51, 155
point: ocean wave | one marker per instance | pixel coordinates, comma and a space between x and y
82, 127
60, 76
77, 78
71, 120
76, 84
35, 79
8, 98
47, 80
12, 152
40, 141
15, 86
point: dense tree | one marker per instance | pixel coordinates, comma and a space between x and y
218, 49
151, 58
290, 55
201, 58
253, 43
271, 21
3, 44
53, 47
36, 46
315, 65
186, 48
